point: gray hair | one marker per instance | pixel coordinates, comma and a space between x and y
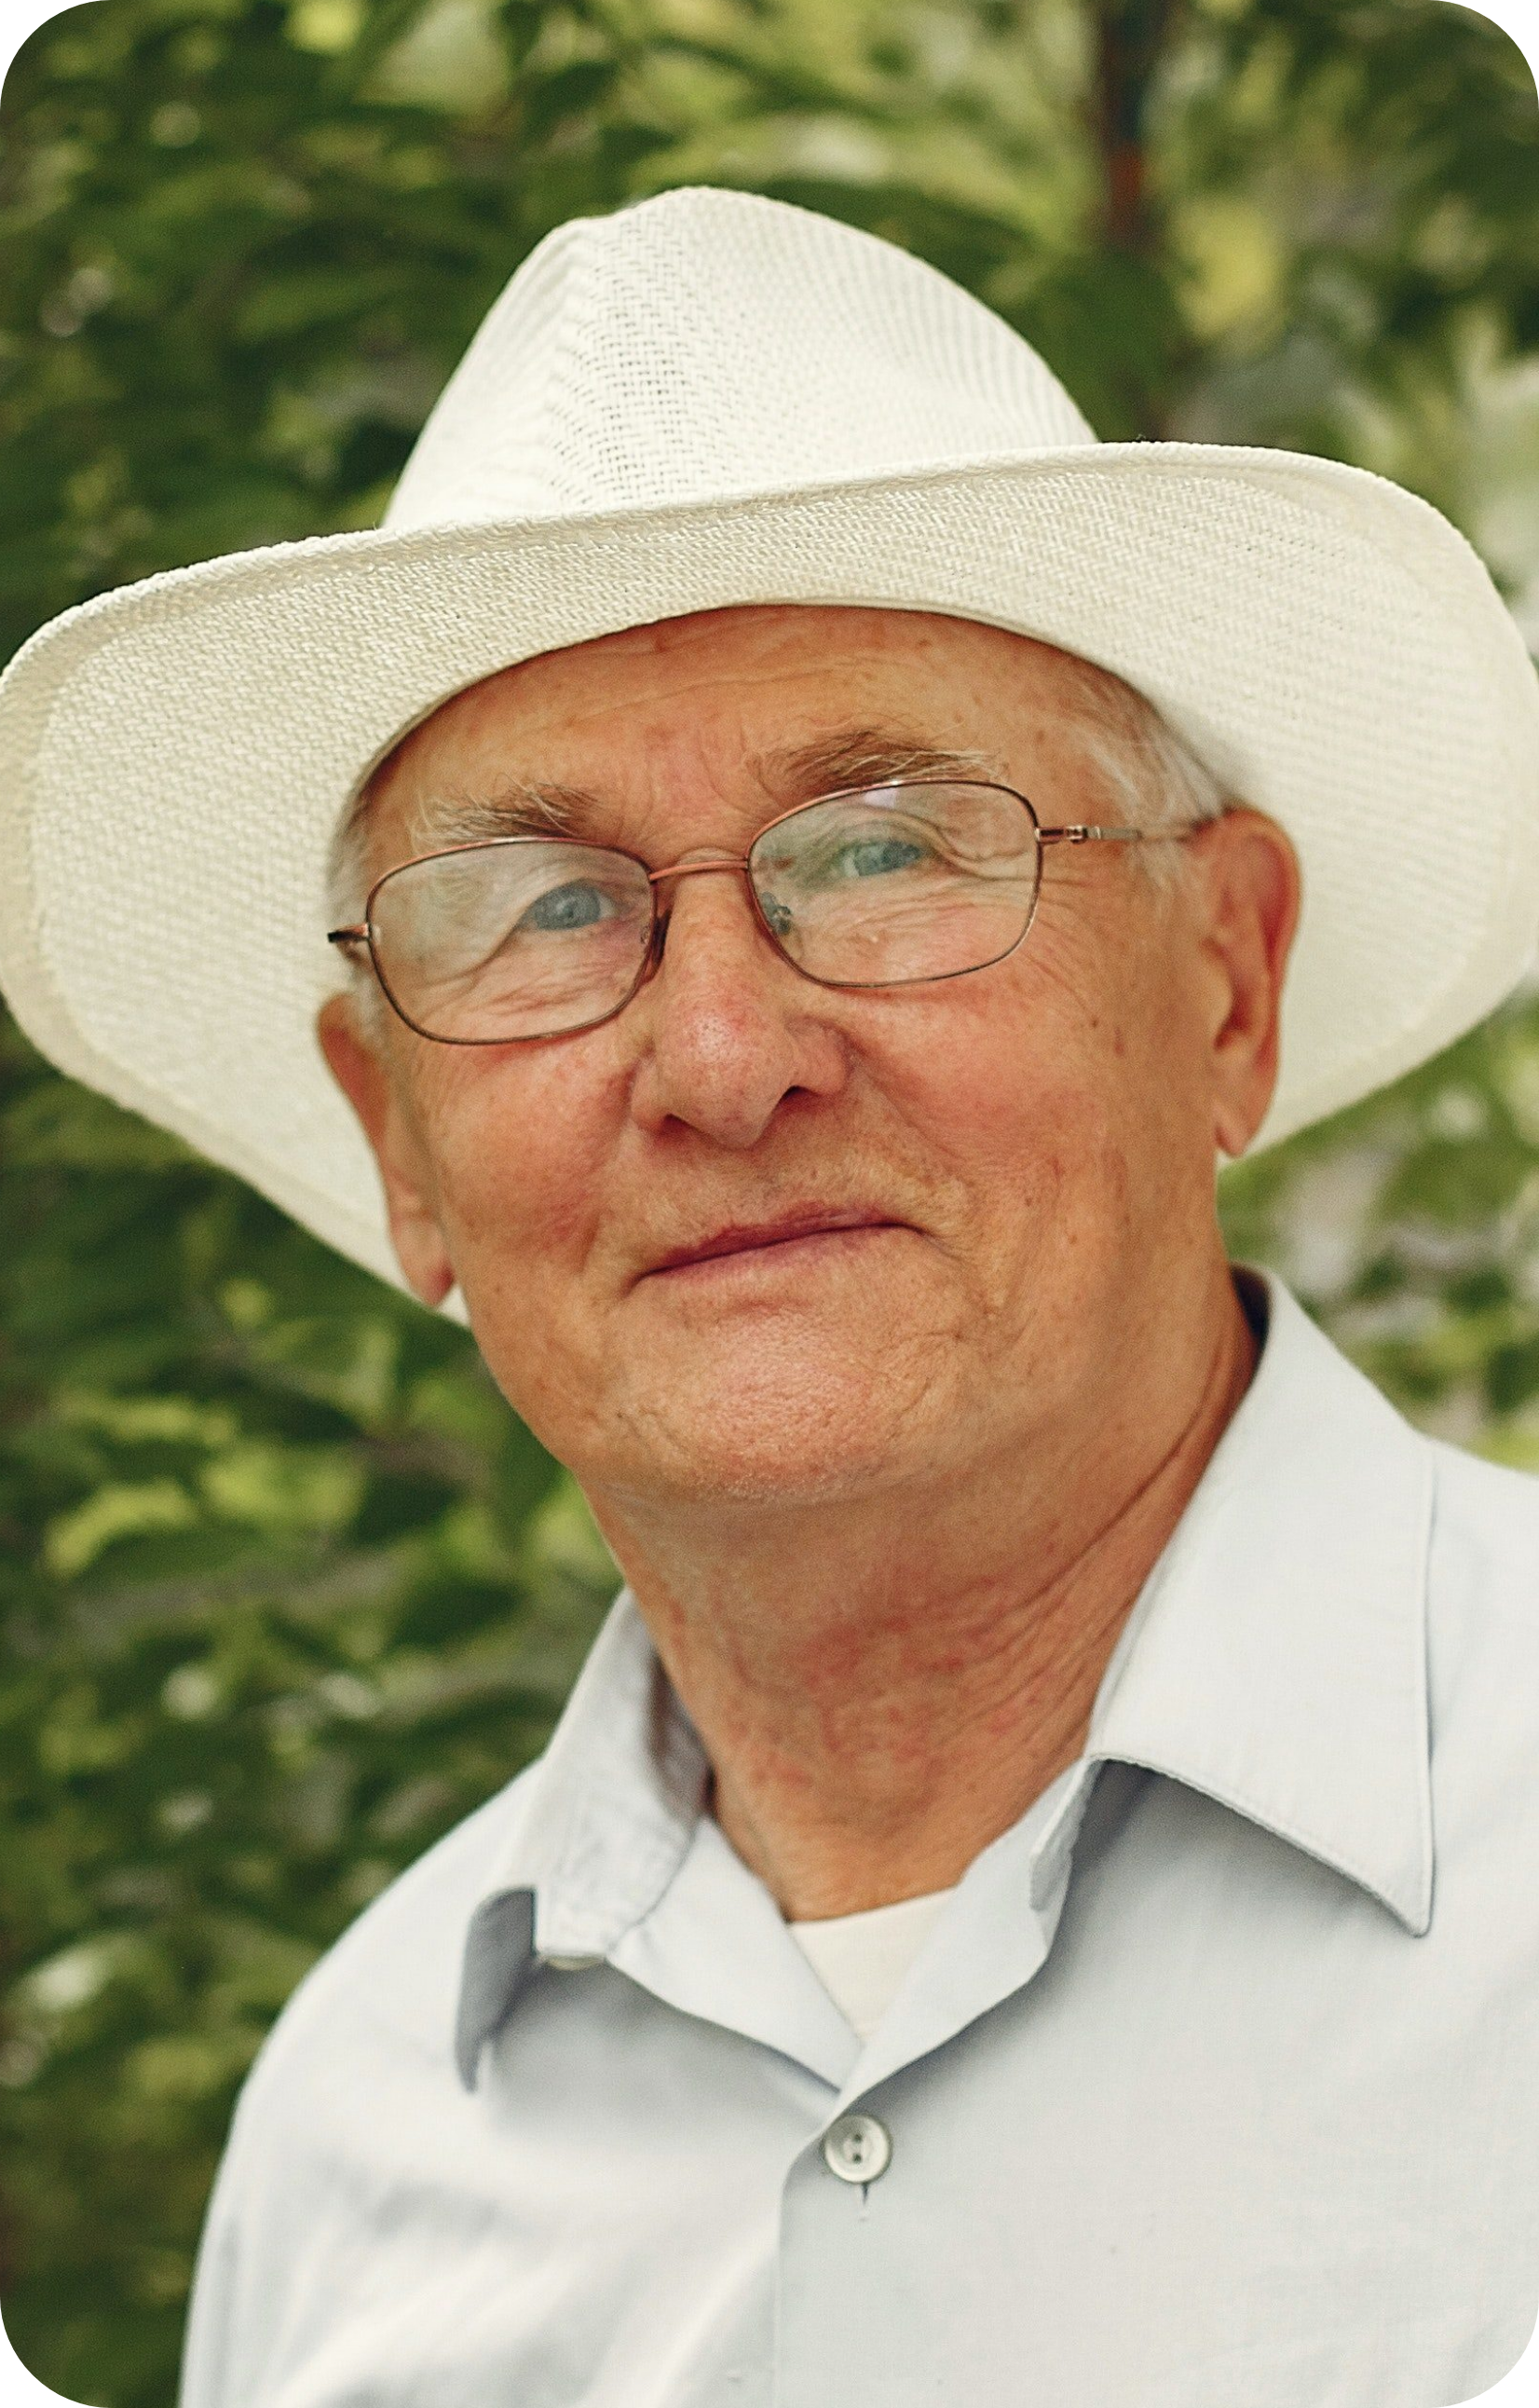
1151, 777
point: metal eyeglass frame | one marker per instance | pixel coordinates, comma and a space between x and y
1074, 833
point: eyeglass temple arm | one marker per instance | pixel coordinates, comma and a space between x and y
347, 936
1082, 835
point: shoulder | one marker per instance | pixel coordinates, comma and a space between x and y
1482, 1651
1483, 1585
1484, 1533
365, 2045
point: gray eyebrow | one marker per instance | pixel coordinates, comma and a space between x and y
856, 756
516, 807
847, 756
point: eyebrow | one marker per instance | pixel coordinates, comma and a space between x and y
843, 757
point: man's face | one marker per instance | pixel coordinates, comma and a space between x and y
1034, 1141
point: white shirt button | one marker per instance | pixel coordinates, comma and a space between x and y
857, 2148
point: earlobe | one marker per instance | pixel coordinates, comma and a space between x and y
1233, 1131
430, 1283
365, 1078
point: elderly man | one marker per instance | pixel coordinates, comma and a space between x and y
1036, 1893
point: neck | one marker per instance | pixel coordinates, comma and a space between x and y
884, 1688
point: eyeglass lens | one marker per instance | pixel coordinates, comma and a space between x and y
530, 937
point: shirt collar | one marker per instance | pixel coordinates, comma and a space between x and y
604, 1821
1276, 1655
1275, 1660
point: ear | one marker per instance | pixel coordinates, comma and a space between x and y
1248, 894
358, 1061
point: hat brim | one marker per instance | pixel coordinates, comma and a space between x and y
176, 753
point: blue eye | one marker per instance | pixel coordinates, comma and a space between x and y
847, 858
574, 905
873, 856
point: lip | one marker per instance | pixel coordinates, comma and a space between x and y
744, 1237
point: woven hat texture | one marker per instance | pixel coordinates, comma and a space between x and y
709, 399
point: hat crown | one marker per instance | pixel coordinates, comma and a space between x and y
706, 343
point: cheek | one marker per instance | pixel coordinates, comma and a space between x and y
1033, 1086
517, 1143
1030, 1113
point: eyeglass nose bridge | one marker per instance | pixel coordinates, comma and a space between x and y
684, 870
690, 868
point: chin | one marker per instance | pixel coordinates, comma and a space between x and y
794, 1449
759, 1409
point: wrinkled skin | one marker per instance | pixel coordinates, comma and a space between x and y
884, 1497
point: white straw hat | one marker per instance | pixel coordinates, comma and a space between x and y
711, 399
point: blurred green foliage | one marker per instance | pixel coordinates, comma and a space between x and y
284, 1590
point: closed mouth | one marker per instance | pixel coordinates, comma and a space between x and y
753, 1237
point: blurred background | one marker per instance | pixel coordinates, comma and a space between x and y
284, 1590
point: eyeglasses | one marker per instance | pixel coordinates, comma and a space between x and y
525, 936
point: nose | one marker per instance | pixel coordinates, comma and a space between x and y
726, 1029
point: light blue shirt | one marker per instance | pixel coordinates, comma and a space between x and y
1214, 2084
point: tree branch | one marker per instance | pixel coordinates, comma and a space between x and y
1131, 37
